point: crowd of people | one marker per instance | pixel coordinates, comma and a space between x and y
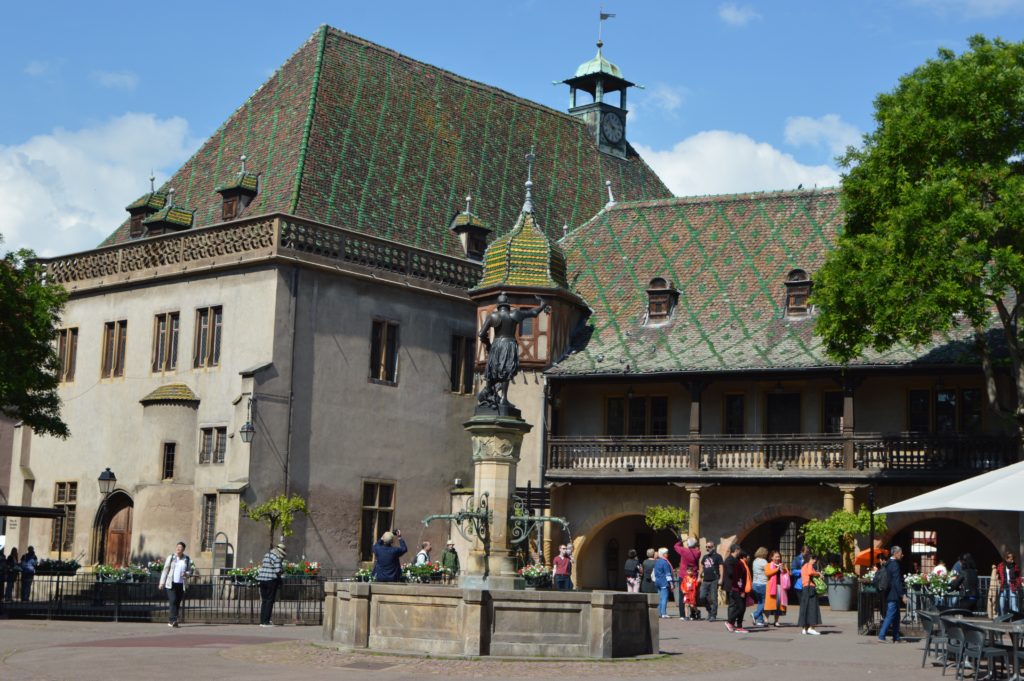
762, 583
13, 569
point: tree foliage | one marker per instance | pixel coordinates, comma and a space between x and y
667, 517
29, 313
834, 536
933, 240
279, 512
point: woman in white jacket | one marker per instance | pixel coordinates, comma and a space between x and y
177, 569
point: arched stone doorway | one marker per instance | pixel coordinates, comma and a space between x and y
783, 533
926, 540
114, 529
601, 558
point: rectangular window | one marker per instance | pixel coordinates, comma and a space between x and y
135, 227
378, 514
229, 209
206, 348
945, 411
832, 412
782, 415
918, 412
972, 402
115, 336
62, 534
209, 528
636, 416
165, 342
212, 444
67, 353
462, 358
168, 461
384, 352
734, 419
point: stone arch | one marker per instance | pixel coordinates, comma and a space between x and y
770, 513
990, 533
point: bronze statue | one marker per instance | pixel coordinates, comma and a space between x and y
503, 353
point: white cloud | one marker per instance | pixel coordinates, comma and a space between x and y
115, 80
737, 15
972, 8
39, 67
829, 131
723, 162
661, 98
66, 191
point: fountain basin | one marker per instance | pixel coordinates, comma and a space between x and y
444, 620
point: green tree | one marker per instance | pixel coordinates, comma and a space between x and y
29, 367
667, 517
834, 536
279, 512
933, 240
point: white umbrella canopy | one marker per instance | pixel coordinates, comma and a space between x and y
998, 490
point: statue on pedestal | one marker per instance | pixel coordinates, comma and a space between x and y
502, 354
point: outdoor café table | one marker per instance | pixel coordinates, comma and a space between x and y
1014, 629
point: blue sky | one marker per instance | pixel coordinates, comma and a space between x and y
739, 96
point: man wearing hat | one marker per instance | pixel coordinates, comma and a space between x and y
269, 577
450, 562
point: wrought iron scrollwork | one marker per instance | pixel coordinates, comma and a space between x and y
522, 524
473, 521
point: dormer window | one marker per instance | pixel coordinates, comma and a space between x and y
237, 192
229, 210
135, 227
798, 291
661, 300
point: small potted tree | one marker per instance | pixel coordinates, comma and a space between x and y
832, 540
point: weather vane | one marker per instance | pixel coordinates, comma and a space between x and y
600, 22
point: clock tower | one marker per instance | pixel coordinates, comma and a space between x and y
606, 122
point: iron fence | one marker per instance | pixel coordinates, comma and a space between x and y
211, 597
871, 607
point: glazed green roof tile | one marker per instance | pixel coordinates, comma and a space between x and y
247, 181
468, 220
172, 214
172, 392
353, 134
524, 257
598, 65
729, 257
153, 200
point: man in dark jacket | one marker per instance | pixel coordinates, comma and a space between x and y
896, 594
387, 568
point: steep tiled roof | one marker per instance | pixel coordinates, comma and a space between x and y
729, 257
352, 134
154, 200
172, 392
524, 257
172, 214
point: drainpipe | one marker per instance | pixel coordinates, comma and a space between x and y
291, 384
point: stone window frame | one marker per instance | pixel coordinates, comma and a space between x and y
213, 444
208, 337
208, 528
368, 536
67, 353
166, 335
462, 357
113, 350
62, 534
385, 343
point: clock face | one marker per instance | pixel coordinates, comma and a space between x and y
611, 127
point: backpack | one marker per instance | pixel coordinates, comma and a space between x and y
882, 580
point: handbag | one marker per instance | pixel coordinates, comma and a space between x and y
785, 582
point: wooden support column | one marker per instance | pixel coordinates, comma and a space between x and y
696, 387
694, 491
849, 387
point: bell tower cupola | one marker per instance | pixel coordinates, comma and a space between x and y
605, 120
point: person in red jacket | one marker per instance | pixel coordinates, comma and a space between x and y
1009, 585
689, 562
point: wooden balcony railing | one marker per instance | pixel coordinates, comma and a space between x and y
803, 452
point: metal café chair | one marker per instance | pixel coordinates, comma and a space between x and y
935, 636
977, 650
954, 648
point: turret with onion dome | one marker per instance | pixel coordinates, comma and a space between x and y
522, 264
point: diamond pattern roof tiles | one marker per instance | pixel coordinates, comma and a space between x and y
353, 134
728, 256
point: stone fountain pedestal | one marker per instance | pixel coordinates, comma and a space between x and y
496, 441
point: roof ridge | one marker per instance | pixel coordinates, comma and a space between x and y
314, 89
454, 76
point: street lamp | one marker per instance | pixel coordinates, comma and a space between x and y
247, 430
107, 481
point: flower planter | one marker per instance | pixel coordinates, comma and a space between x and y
842, 593
64, 572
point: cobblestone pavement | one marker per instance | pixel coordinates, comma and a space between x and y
87, 651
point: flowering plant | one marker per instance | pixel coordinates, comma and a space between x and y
120, 573
913, 580
246, 574
535, 571
363, 575
424, 572
869, 576
51, 565
833, 573
936, 584
303, 568
155, 565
